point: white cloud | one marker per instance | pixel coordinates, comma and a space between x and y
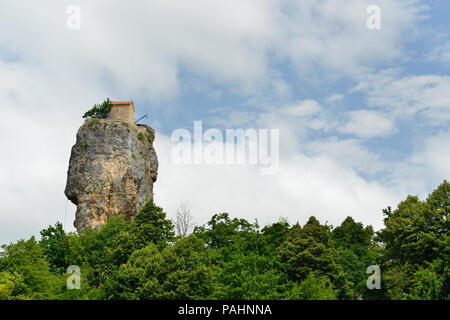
140, 47
335, 98
304, 186
435, 155
235, 119
37, 130
440, 52
333, 35
305, 108
425, 96
426, 167
367, 124
296, 119
348, 153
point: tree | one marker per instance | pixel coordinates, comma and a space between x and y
356, 251
415, 243
55, 243
427, 283
99, 111
310, 249
248, 275
445, 267
439, 209
12, 286
188, 273
138, 278
151, 226
25, 273
223, 231
183, 220
276, 233
313, 288
181, 271
91, 250
351, 233
416, 231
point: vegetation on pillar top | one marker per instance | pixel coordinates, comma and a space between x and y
99, 111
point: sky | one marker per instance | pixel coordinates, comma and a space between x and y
363, 114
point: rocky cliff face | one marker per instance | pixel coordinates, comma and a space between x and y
112, 170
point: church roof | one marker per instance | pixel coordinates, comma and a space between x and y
123, 103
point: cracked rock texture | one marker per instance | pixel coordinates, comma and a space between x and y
112, 168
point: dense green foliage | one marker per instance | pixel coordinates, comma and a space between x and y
235, 259
99, 111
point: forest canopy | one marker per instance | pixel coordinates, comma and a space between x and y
231, 258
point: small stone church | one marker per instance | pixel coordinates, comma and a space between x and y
122, 110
